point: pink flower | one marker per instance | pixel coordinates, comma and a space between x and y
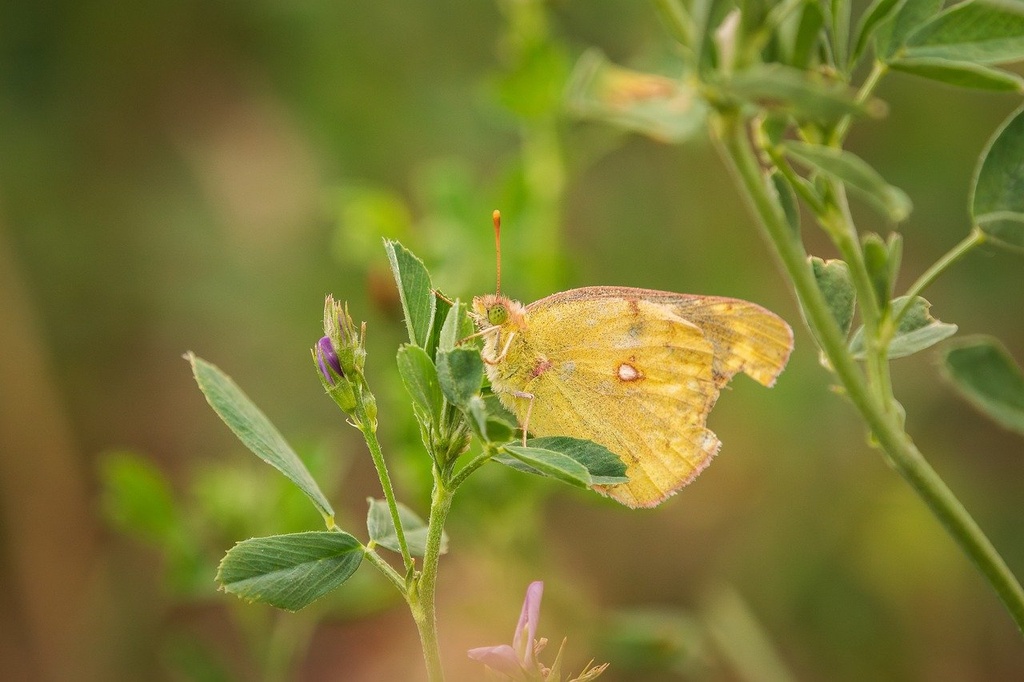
518, 662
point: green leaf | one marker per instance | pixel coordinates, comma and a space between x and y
460, 373
441, 310
800, 36
836, 286
551, 463
892, 34
917, 330
806, 95
875, 15
254, 430
418, 300
850, 169
876, 262
987, 376
787, 199
895, 256
997, 195
840, 29
457, 326
678, 20
960, 74
666, 109
289, 571
985, 32
381, 528
603, 465
420, 379
476, 408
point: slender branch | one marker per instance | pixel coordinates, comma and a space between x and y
878, 70
365, 424
471, 466
975, 238
389, 572
903, 454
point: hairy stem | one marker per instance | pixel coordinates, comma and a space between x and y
884, 425
365, 424
421, 598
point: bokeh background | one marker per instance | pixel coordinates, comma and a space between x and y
198, 175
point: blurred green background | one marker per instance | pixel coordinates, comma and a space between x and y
198, 175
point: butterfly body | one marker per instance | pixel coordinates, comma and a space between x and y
635, 370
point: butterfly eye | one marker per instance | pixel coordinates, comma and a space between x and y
497, 314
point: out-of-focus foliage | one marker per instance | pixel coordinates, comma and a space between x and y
191, 175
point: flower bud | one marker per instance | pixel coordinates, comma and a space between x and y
327, 358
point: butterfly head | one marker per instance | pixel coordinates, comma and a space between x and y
495, 310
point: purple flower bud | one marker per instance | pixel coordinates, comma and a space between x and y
325, 356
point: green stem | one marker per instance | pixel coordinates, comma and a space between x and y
878, 70
903, 454
975, 238
365, 424
384, 567
421, 598
471, 466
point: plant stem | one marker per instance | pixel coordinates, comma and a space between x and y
365, 424
884, 425
384, 567
975, 238
421, 599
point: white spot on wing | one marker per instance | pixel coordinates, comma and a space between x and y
628, 372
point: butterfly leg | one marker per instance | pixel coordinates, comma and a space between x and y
529, 409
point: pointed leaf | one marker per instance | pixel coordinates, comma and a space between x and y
787, 199
457, 326
997, 197
666, 109
798, 34
917, 330
836, 286
289, 571
603, 465
850, 169
876, 262
460, 373
476, 409
807, 96
551, 463
418, 300
381, 528
960, 74
875, 15
985, 32
254, 430
987, 376
892, 34
420, 379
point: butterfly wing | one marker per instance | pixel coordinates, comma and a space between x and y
746, 337
625, 372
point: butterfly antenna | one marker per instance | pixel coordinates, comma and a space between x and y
496, 217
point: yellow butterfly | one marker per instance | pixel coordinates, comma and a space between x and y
635, 370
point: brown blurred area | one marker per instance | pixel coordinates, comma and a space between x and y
180, 176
